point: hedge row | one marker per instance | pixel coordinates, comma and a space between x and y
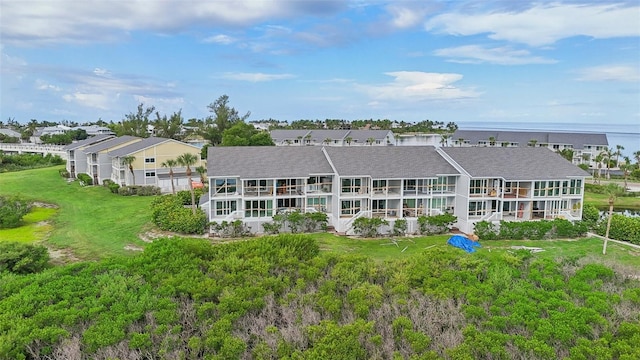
168, 213
530, 230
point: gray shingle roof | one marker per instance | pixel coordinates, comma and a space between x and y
88, 141
521, 163
9, 132
319, 135
107, 144
578, 140
389, 162
363, 135
279, 136
257, 162
137, 146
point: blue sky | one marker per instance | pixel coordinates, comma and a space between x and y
575, 62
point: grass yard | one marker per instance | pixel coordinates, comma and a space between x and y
91, 222
601, 201
35, 226
384, 249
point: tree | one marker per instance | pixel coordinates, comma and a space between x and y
370, 141
533, 142
348, 140
135, 124
187, 160
243, 134
612, 191
598, 159
202, 171
567, 154
327, 141
169, 127
460, 141
444, 139
626, 168
606, 157
224, 117
636, 155
492, 141
128, 161
170, 163
618, 153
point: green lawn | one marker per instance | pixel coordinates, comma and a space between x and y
91, 222
34, 227
384, 249
601, 201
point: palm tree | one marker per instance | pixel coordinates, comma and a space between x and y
171, 163
444, 139
607, 155
636, 155
187, 160
598, 159
492, 141
460, 141
371, 140
533, 142
327, 141
128, 161
203, 172
626, 169
612, 190
348, 139
618, 153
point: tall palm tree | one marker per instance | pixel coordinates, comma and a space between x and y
612, 190
618, 153
533, 142
444, 139
371, 140
171, 163
636, 155
598, 159
492, 141
128, 161
608, 154
327, 141
460, 141
626, 169
187, 160
202, 171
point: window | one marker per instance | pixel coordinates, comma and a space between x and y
410, 186
351, 185
477, 187
539, 188
149, 160
349, 207
477, 208
379, 186
575, 187
225, 207
225, 186
318, 203
150, 174
258, 208
379, 205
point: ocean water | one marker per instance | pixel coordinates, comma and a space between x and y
627, 135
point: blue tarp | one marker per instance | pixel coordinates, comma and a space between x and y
463, 243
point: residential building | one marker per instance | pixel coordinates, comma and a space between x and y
283, 137
98, 159
585, 146
76, 158
346, 182
150, 154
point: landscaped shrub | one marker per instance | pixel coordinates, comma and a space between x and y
168, 213
185, 196
140, 190
368, 227
399, 227
22, 258
232, 229
436, 224
530, 230
624, 228
17, 162
64, 173
85, 179
12, 209
590, 215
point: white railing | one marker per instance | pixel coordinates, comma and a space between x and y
235, 215
35, 148
491, 217
349, 223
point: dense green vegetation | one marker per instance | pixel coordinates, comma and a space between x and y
282, 297
34, 226
17, 162
12, 209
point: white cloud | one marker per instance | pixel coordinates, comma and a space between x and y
256, 77
406, 15
622, 73
43, 85
544, 24
476, 54
56, 21
220, 39
416, 85
94, 100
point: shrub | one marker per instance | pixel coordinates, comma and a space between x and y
185, 195
64, 173
368, 227
85, 179
168, 213
12, 209
22, 258
436, 224
146, 190
530, 230
233, 229
590, 215
623, 228
399, 227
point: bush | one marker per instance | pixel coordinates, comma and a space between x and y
368, 227
12, 209
233, 229
185, 196
400, 227
21, 258
64, 173
623, 228
85, 179
436, 224
146, 190
530, 230
168, 213
590, 215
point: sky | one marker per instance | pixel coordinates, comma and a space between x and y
466, 61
